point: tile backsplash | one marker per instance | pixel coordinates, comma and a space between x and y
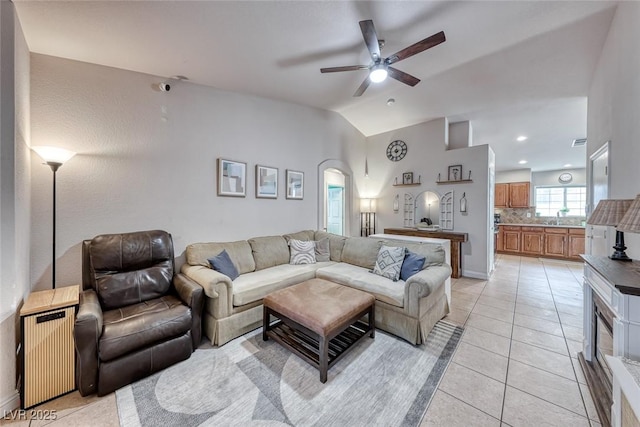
519, 216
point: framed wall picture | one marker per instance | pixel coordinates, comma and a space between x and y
232, 178
295, 185
266, 182
455, 173
407, 178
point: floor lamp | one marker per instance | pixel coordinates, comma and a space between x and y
367, 217
54, 157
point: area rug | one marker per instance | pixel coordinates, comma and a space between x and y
382, 382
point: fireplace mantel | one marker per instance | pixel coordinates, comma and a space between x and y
616, 285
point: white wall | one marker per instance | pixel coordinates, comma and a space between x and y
14, 198
147, 159
551, 177
614, 109
516, 175
426, 157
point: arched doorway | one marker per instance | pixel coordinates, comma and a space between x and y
334, 197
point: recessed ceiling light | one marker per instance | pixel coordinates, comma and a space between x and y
568, 165
390, 102
523, 162
521, 138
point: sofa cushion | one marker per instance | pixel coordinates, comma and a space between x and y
269, 251
336, 244
389, 262
361, 251
412, 264
140, 325
434, 253
323, 252
302, 252
254, 286
239, 252
305, 235
383, 289
223, 264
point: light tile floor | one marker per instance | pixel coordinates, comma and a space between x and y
515, 366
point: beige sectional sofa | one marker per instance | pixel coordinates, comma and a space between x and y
232, 308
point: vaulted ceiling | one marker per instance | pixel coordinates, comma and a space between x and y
510, 68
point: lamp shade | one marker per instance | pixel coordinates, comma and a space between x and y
609, 212
631, 219
367, 205
53, 154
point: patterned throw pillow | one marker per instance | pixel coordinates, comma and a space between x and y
302, 252
389, 262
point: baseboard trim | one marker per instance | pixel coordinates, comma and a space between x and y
475, 274
10, 402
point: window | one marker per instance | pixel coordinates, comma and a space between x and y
550, 200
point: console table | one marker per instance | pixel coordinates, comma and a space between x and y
611, 324
456, 240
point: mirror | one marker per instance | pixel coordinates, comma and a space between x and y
427, 210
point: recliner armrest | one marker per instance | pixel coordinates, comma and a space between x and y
86, 333
188, 290
192, 294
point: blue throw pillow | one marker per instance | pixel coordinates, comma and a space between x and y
411, 265
223, 264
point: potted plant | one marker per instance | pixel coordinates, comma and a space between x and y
564, 211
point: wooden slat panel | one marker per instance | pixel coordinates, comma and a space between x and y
49, 357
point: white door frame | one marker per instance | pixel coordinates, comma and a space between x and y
348, 196
597, 231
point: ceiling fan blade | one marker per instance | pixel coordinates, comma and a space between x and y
346, 68
403, 77
415, 48
370, 39
363, 87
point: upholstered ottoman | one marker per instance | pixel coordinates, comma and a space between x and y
318, 320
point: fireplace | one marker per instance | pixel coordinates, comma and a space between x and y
611, 324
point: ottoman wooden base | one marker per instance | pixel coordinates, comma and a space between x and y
318, 337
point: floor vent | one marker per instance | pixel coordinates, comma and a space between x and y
579, 142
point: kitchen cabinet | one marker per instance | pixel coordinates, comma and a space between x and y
553, 242
500, 195
532, 240
511, 238
576, 243
554, 245
512, 195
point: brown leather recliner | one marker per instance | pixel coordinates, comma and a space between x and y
135, 316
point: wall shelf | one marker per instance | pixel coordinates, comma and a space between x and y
415, 184
460, 181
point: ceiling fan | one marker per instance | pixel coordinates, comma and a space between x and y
380, 67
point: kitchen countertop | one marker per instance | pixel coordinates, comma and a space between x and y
542, 225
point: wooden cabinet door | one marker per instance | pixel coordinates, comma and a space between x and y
555, 244
500, 241
519, 195
532, 243
501, 193
511, 241
576, 246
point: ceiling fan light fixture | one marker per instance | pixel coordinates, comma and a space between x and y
378, 73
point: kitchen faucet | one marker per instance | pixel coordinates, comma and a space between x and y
558, 218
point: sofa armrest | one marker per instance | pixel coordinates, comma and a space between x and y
86, 332
217, 287
191, 294
423, 284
